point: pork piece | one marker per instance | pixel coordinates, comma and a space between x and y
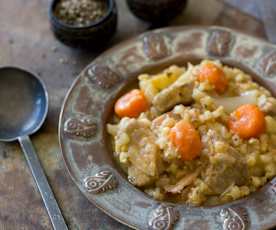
229, 168
144, 154
138, 177
180, 92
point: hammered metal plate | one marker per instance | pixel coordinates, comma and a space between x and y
88, 106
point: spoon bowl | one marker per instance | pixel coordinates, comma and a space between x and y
23, 109
23, 103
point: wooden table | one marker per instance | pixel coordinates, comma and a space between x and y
26, 40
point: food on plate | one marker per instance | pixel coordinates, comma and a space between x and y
185, 138
247, 121
203, 134
132, 104
214, 75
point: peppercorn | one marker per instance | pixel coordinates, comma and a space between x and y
80, 12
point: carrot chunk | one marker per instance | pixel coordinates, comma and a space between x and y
247, 121
131, 104
214, 75
186, 139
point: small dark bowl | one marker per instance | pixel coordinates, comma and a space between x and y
156, 11
93, 36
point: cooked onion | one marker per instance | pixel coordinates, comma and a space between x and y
231, 103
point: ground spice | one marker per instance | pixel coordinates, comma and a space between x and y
80, 12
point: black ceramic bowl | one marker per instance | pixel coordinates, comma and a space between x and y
93, 36
156, 11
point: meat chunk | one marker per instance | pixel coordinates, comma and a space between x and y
172, 96
138, 177
180, 92
228, 169
144, 154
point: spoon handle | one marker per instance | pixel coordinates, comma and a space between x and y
42, 184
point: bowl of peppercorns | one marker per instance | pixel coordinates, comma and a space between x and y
83, 23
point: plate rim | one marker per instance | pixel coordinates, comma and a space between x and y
112, 49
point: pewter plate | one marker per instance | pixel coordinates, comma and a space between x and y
89, 105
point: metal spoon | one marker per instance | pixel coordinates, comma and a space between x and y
23, 109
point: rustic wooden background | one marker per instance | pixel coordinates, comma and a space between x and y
26, 41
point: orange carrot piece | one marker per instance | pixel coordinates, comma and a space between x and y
247, 121
215, 75
131, 104
186, 139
